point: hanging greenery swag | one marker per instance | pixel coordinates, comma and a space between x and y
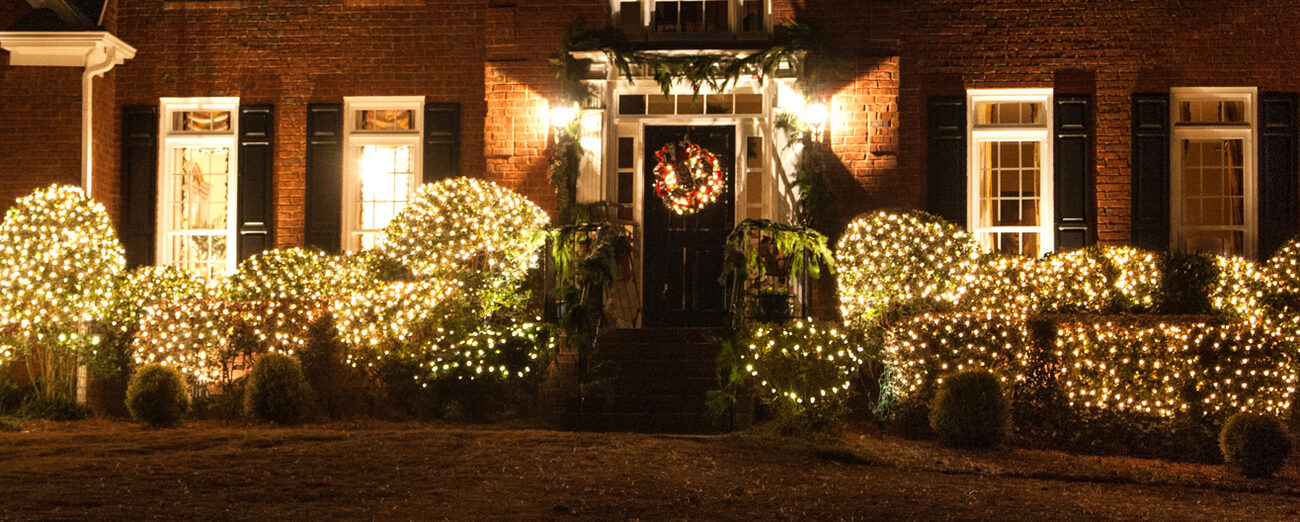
791, 42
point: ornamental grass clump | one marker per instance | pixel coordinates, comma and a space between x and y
157, 396
1257, 444
277, 390
970, 410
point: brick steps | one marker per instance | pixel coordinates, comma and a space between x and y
658, 383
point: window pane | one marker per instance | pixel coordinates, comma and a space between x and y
659, 104
753, 16
1212, 111
201, 121
690, 104
205, 254
385, 183
718, 103
385, 120
629, 17
1013, 243
715, 16
1009, 192
1213, 195
631, 104
626, 153
666, 17
754, 152
199, 188
749, 103
692, 16
1008, 113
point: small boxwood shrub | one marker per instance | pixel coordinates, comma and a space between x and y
277, 391
1257, 444
970, 410
157, 395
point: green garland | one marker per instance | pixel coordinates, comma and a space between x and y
791, 42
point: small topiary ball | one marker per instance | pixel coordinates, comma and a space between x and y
277, 391
157, 395
970, 410
1257, 443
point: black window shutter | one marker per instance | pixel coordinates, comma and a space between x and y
323, 215
946, 158
256, 126
139, 184
1150, 172
1076, 225
441, 141
1278, 199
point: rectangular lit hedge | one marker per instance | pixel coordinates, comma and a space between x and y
1169, 366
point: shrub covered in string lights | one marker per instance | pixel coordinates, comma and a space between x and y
473, 231
133, 293
59, 257
290, 273
507, 350
803, 368
1193, 369
885, 259
190, 335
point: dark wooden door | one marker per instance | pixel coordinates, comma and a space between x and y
683, 254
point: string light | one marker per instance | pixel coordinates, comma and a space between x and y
59, 258
802, 363
885, 258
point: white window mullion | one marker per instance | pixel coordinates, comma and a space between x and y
1213, 135
1011, 126
199, 153
382, 164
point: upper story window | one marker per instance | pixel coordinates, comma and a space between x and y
1212, 178
1009, 186
692, 16
197, 175
382, 163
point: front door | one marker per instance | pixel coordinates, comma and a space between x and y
684, 254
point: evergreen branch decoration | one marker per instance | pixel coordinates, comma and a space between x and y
792, 42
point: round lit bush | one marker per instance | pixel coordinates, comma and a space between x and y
1258, 444
59, 258
970, 410
471, 230
157, 395
277, 390
885, 259
803, 367
289, 273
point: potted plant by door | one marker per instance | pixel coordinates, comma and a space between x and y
773, 304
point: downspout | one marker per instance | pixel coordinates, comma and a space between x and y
88, 109
87, 154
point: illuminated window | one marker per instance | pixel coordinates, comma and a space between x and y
381, 164
197, 175
1010, 174
1212, 181
692, 16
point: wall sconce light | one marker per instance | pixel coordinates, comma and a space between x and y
815, 115
563, 114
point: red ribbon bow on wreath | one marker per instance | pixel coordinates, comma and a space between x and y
687, 177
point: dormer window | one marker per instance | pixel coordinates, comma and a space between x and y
692, 17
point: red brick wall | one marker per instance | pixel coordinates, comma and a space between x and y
1127, 46
40, 119
291, 54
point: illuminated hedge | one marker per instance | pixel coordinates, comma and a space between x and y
291, 273
1242, 288
804, 365
921, 350
512, 350
405, 315
1167, 369
132, 295
190, 335
885, 259
470, 230
59, 257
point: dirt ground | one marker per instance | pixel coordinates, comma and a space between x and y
103, 470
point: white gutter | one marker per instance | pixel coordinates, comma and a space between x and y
96, 51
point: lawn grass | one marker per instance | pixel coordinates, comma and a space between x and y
208, 470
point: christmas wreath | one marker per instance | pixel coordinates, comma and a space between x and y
687, 177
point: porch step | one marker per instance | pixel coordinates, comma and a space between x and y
658, 381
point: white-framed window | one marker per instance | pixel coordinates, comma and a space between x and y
197, 184
663, 17
1009, 188
381, 163
1212, 170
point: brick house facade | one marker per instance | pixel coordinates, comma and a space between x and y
897, 144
